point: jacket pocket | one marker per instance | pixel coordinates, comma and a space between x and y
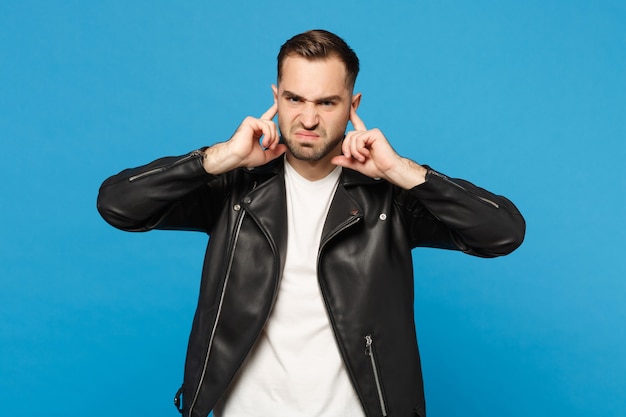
369, 351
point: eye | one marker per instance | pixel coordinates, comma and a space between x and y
293, 99
327, 103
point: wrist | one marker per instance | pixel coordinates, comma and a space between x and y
215, 159
407, 174
212, 159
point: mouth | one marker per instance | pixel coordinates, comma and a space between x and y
306, 135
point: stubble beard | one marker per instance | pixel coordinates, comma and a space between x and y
313, 151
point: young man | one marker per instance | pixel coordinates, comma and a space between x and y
306, 302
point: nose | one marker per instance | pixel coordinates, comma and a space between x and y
309, 116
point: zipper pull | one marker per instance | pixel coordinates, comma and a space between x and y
368, 345
369, 351
177, 400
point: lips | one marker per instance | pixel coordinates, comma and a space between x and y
304, 134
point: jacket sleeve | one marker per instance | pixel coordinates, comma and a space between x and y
456, 214
169, 193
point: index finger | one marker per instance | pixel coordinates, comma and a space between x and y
357, 123
270, 113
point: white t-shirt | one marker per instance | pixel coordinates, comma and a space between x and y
296, 368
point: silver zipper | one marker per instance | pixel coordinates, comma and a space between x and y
493, 203
163, 168
219, 310
146, 174
445, 178
369, 351
344, 226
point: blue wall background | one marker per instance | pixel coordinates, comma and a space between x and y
527, 99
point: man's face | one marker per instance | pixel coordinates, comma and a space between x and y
313, 106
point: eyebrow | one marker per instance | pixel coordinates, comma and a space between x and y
335, 97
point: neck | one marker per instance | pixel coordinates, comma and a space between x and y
314, 170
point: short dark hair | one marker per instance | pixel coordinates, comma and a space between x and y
320, 44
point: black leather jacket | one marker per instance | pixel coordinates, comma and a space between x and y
365, 267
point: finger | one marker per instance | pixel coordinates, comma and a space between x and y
270, 137
343, 161
270, 113
345, 145
357, 123
350, 163
271, 154
358, 148
349, 147
354, 148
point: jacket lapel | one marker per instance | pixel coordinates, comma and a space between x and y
267, 204
343, 212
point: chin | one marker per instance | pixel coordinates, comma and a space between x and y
306, 153
312, 152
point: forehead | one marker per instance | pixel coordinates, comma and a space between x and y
313, 78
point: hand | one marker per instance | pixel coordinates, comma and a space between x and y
245, 148
369, 152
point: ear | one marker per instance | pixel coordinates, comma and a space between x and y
275, 90
356, 100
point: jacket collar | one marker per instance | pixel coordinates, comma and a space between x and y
344, 211
348, 177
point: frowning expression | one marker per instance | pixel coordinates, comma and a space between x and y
314, 101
